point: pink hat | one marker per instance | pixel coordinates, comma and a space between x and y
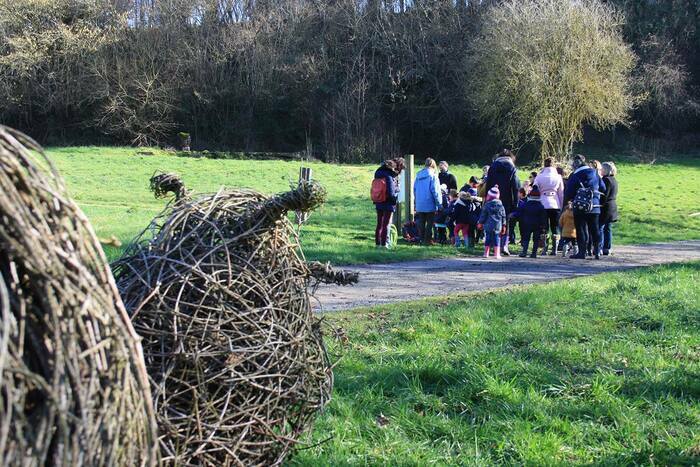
493, 193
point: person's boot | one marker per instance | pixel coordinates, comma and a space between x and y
497, 252
565, 249
487, 250
555, 245
533, 255
543, 243
525, 246
504, 250
596, 253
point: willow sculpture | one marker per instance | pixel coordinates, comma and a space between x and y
73, 384
218, 289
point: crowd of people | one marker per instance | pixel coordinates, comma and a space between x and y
557, 209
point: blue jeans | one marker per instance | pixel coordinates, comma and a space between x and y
606, 236
491, 238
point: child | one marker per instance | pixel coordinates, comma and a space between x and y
472, 183
533, 222
533, 176
568, 229
440, 220
493, 222
449, 213
462, 208
474, 233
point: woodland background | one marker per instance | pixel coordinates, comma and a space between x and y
343, 80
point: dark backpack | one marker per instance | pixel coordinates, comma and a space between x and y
378, 191
409, 232
583, 201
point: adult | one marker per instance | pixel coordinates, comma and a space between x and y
481, 189
608, 209
586, 221
388, 172
426, 192
597, 166
551, 187
445, 177
503, 173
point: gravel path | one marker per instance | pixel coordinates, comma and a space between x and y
396, 282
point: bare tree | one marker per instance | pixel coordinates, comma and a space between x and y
545, 68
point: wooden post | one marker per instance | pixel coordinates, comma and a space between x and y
398, 218
409, 179
304, 176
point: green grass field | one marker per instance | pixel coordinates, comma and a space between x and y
593, 371
111, 185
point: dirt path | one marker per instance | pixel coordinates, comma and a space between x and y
388, 283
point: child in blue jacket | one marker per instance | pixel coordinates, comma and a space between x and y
493, 221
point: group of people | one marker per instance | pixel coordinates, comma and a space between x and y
553, 211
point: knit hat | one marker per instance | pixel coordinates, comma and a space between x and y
472, 192
534, 192
493, 193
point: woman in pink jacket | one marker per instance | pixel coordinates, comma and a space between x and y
551, 188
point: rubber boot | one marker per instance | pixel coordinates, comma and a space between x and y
555, 245
497, 252
487, 250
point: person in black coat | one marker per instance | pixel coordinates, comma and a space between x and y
463, 214
503, 173
532, 218
445, 177
608, 209
587, 223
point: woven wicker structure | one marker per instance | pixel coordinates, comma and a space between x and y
73, 384
218, 288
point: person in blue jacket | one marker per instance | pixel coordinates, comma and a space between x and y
502, 172
389, 171
426, 191
587, 223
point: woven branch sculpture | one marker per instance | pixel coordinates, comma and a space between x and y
73, 383
218, 288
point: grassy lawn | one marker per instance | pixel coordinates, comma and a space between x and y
594, 371
111, 185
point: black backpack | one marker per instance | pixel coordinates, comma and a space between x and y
583, 201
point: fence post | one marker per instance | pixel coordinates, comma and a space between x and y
409, 179
304, 176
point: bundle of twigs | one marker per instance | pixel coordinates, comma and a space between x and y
164, 183
73, 384
217, 287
